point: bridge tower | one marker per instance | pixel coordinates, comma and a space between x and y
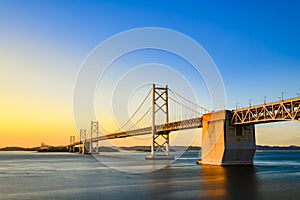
82, 141
94, 148
160, 140
71, 146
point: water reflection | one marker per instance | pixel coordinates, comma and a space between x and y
230, 182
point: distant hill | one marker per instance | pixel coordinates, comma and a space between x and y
108, 149
172, 148
19, 149
140, 148
52, 149
290, 148
39, 149
195, 148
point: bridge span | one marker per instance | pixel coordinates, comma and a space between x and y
168, 127
228, 137
284, 110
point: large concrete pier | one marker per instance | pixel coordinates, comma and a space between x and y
224, 143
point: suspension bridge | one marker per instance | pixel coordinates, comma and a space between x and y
228, 137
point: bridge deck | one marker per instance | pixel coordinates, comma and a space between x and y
172, 126
276, 111
285, 110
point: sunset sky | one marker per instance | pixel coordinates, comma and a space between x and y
255, 45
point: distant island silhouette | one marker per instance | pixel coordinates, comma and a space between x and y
136, 148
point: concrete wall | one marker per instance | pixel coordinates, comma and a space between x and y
224, 143
86, 148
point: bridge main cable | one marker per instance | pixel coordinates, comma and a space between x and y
189, 101
132, 116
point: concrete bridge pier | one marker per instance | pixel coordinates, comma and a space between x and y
84, 148
71, 148
81, 149
224, 143
89, 148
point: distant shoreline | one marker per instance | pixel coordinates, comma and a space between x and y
141, 148
35, 149
14, 148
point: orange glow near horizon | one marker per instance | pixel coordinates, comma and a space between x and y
36, 101
27, 124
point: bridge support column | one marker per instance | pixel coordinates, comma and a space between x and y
82, 141
224, 143
160, 140
86, 148
160, 147
72, 146
94, 145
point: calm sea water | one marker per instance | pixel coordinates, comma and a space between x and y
24, 175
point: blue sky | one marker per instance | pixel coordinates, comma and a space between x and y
256, 46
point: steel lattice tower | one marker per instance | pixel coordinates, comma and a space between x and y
160, 149
72, 141
82, 140
95, 135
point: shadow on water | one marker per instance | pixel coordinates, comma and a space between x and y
229, 182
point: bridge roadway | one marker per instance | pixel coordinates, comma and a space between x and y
172, 126
284, 110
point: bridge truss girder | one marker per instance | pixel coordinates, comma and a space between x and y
286, 110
